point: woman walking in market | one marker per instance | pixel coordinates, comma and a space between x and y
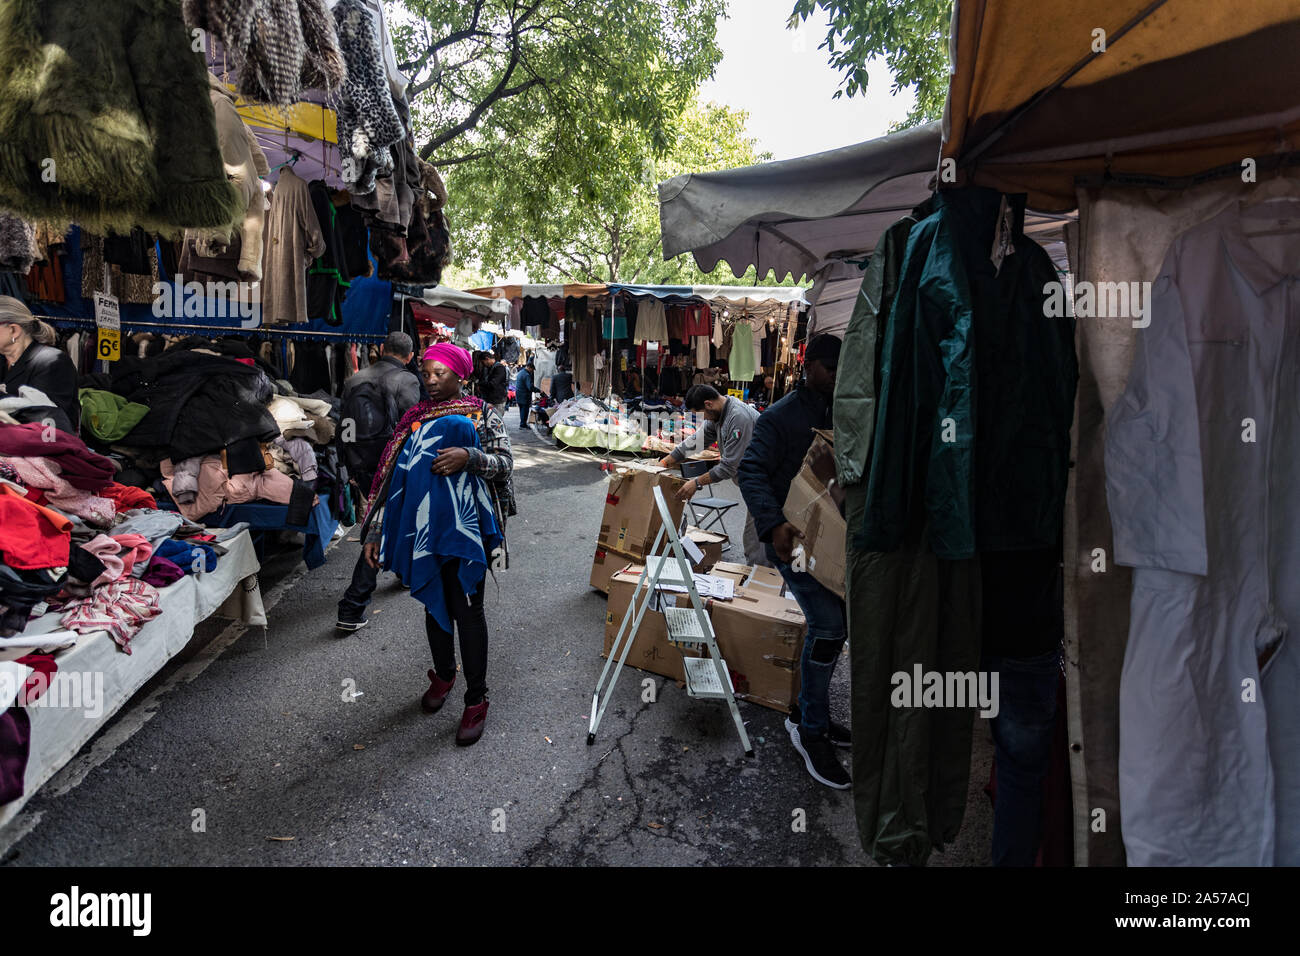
436, 516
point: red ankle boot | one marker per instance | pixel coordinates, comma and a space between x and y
436, 695
472, 723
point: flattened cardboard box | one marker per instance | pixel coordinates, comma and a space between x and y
760, 636
708, 542
631, 520
769, 579
810, 508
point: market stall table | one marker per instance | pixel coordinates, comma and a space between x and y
59, 732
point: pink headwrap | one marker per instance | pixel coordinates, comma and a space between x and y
453, 357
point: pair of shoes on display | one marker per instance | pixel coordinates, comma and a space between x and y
819, 758
472, 721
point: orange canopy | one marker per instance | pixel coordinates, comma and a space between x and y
1182, 87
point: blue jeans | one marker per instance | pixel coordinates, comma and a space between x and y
1022, 741
827, 629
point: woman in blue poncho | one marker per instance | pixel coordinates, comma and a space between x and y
436, 517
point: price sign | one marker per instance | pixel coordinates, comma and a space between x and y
737, 393
109, 321
110, 345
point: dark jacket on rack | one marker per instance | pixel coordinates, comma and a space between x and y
782, 436
198, 403
51, 371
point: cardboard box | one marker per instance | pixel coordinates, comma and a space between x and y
631, 520
710, 543
810, 508
746, 575
759, 634
761, 638
606, 563
651, 650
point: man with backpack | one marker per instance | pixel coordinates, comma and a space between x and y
374, 401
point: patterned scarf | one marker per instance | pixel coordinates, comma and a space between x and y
426, 411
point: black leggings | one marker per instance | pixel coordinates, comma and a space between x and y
468, 619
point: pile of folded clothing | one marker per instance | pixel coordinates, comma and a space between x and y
75, 542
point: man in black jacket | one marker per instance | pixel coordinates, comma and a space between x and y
496, 383
396, 388
782, 437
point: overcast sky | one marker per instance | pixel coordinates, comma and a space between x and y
784, 82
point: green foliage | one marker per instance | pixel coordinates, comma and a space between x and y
550, 121
910, 35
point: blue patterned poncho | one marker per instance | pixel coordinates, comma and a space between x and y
432, 519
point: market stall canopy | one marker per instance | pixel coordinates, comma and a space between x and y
574, 290
477, 303
790, 216
753, 299
1033, 101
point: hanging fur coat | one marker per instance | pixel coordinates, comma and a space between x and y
105, 118
279, 48
245, 165
368, 121
17, 244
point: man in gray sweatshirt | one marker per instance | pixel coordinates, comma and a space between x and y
729, 422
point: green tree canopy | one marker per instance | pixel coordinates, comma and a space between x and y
911, 36
607, 229
540, 112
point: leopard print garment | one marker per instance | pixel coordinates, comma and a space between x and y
368, 121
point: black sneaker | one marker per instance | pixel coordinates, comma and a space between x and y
347, 627
819, 757
838, 733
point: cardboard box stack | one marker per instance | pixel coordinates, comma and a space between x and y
810, 509
760, 634
631, 520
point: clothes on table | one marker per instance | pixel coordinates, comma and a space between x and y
108, 416
213, 487
189, 556
31, 536
120, 607
44, 475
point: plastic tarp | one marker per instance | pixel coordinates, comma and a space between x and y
475, 302
1181, 87
790, 216
573, 290
59, 732
596, 437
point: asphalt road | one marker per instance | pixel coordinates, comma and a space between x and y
262, 749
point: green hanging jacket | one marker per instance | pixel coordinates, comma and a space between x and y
858, 382
961, 336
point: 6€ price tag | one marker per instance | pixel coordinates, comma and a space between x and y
110, 345
108, 319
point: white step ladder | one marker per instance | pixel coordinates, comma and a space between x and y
689, 629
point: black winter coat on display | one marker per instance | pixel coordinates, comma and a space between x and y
198, 404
